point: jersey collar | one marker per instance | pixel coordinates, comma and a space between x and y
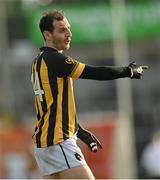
45, 48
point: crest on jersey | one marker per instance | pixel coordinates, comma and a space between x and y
69, 60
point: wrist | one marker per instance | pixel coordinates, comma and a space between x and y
131, 72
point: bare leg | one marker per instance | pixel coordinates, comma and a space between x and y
79, 172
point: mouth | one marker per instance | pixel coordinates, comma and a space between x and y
67, 41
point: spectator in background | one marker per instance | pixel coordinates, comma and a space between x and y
150, 160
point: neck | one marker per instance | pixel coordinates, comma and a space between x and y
51, 45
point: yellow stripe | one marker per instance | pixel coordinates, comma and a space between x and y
78, 71
37, 97
35, 133
41, 114
58, 134
49, 100
45, 130
46, 84
38, 106
32, 67
36, 120
71, 108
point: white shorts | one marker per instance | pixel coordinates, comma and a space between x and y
59, 157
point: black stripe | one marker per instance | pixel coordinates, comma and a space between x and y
38, 135
38, 118
65, 114
53, 110
76, 124
74, 69
64, 156
37, 113
52, 121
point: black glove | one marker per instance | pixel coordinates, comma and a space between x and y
136, 70
89, 139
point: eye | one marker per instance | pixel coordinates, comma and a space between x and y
63, 30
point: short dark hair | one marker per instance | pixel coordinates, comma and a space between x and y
47, 20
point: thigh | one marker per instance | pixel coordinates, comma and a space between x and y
79, 172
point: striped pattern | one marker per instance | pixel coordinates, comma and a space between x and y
56, 114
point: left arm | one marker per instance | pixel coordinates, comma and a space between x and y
89, 139
132, 71
105, 72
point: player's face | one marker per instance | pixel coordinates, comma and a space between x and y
61, 35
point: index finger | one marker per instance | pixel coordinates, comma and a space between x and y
144, 67
98, 143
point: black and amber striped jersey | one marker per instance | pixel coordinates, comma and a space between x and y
52, 75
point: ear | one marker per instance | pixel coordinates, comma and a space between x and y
47, 35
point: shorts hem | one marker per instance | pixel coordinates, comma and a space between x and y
54, 172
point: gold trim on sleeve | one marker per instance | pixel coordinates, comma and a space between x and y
77, 71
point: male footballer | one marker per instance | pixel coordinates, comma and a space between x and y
57, 129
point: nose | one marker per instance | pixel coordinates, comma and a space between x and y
69, 33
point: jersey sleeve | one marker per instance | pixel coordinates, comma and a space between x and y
105, 72
64, 66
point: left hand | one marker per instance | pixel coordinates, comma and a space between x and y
89, 139
136, 70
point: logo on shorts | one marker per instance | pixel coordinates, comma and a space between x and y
78, 156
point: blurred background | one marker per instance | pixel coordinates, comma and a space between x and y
123, 114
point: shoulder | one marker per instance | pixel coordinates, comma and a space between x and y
48, 55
